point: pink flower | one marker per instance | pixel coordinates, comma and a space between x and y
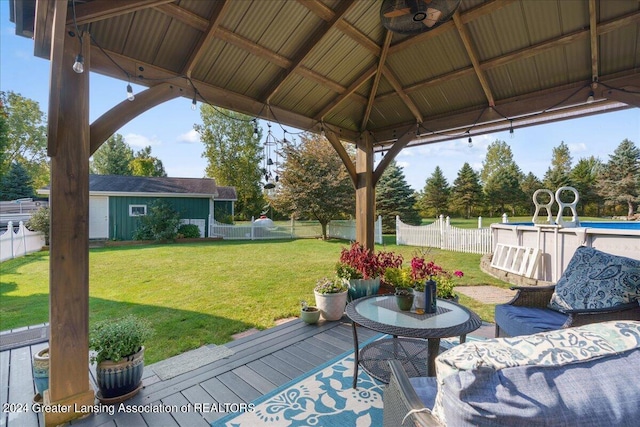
458, 273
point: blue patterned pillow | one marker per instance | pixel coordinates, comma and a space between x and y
597, 280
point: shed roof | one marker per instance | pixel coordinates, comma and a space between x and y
331, 64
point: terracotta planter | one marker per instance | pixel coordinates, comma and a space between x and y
331, 306
311, 315
120, 379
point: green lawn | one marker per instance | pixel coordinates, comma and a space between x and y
201, 293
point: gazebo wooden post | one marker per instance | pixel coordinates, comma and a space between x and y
365, 192
69, 387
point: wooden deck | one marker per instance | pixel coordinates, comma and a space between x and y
261, 362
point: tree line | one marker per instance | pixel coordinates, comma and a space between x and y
312, 183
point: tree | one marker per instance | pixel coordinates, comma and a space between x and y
558, 174
501, 178
499, 156
26, 137
529, 185
233, 156
314, 182
144, 164
467, 191
434, 199
619, 181
4, 138
16, 183
584, 177
113, 157
160, 224
394, 197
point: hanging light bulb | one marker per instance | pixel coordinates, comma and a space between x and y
590, 98
322, 130
511, 130
255, 128
130, 96
78, 66
470, 142
194, 103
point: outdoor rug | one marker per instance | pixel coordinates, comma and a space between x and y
322, 397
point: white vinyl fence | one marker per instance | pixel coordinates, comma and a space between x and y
18, 243
442, 235
256, 230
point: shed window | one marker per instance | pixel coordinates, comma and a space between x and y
137, 210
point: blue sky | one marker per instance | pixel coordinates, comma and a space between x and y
168, 128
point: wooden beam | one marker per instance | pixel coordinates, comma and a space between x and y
107, 124
593, 38
365, 192
344, 95
376, 80
344, 156
205, 39
55, 71
393, 81
473, 56
95, 11
42, 27
406, 138
316, 37
69, 240
183, 15
629, 95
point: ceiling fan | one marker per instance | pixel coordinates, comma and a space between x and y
416, 16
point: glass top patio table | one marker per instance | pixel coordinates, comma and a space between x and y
381, 313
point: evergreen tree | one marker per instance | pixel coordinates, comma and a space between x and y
558, 174
619, 181
467, 191
144, 164
501, 178
16, 183
394, 197
584, 177
434, 199
233, 156
313, 182
499, 156
4, 139
113, 157
529, 185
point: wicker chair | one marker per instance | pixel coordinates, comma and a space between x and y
540, 296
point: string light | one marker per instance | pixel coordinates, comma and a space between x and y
470, 142
255, 128
194, 103
130, 96
590, 98
78, 66
511, 128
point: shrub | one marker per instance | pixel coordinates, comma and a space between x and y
161, 223
189, 231
40, 221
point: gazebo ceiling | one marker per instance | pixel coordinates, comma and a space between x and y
331, 63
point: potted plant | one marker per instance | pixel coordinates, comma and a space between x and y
362, 269
308, 313
119, 354
400, 279
41, 373
331, 298
445, 282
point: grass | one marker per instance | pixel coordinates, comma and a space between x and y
201, 293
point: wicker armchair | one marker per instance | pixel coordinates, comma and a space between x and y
540, 296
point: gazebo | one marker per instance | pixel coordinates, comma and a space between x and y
326, 66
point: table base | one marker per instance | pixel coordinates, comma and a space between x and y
413, 353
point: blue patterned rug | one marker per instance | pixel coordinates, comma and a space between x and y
322, 397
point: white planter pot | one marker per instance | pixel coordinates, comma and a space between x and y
331, 306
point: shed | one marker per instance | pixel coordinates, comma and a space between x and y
116, 202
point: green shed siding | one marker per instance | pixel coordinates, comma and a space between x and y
223, 210
122, 226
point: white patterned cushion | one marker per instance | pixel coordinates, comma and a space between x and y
554, 348
597, 280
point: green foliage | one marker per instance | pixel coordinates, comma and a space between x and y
161, 223
26, 137
233, 156
467, 191
16, 183
189, 231
394, 197
529, 185
115, 339
314, 182
144, 164
398, 277
559, 173
584, 177
434, 199
619, 182
4, 139
113, 157
330, 286
41, 221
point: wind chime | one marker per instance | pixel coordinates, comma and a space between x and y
270, 145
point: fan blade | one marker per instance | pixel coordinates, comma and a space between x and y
397, 12
433, 15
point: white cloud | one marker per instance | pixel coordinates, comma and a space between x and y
577, 147
190, 137
136, 140
403, 165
